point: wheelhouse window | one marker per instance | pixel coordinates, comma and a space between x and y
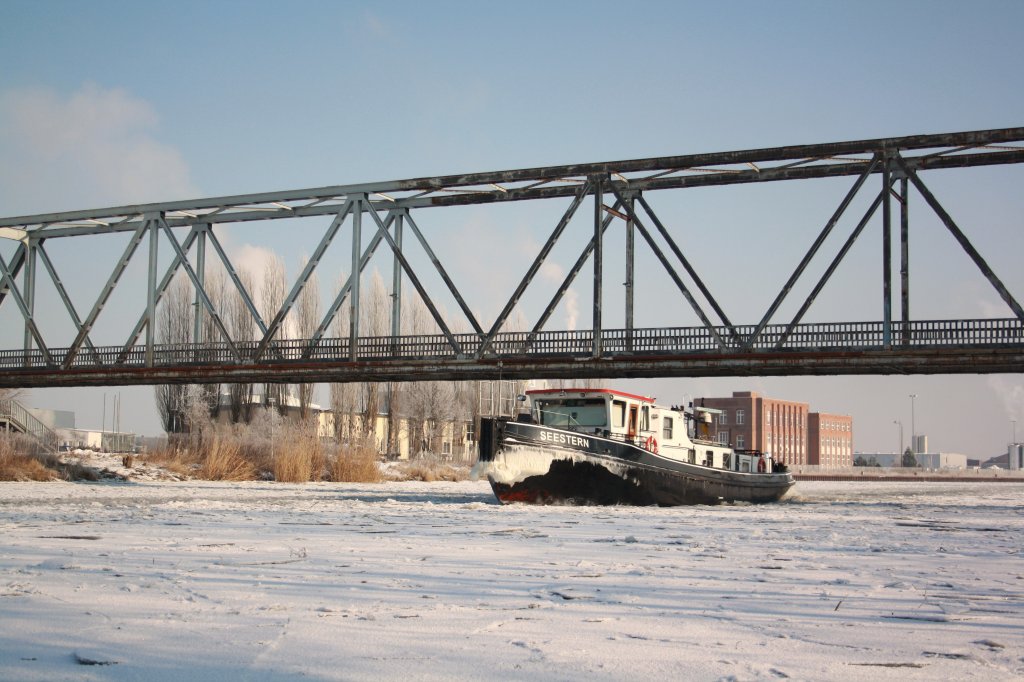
666, 428
575, 413
618, 413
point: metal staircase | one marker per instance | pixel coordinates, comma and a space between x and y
14, 417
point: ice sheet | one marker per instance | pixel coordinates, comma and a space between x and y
431, 581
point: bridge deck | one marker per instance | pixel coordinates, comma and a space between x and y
921, 347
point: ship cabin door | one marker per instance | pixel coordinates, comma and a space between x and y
631, 424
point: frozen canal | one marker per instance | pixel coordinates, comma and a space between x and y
416, 581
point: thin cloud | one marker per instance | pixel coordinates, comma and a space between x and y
93, 147
375, 26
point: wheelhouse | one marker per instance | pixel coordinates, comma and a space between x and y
677, 432
600, 411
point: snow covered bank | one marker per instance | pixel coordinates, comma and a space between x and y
158, 580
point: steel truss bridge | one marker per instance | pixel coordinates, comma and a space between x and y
884, 169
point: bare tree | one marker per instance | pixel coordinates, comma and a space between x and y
373, 313
429, 404
271, 300
307, 319
343, 396
215, 284
174, 326
242, 327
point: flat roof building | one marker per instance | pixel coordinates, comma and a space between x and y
786, 429
829, 439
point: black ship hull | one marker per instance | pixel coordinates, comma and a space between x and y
534, 464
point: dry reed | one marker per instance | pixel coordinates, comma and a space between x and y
18, 463
429, 468
221, 458
298, 454
356, 463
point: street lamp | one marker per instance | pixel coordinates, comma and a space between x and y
1014, 441
913, 429
899, 451
273, 414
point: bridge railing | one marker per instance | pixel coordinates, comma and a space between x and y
832, 336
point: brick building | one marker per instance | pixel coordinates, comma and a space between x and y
749, 421
829, 439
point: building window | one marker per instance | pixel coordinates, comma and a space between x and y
446, 448
739, 417
666, 428
723, 437
470, 432
723, 418
739, 443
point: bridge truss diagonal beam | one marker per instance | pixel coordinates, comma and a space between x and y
534, 267
665, 263
17, 262
415, 281
964, 242
822, 236
26, 313
65, 299
302, 279
342, 296
570, 277
108, 288
832, 268
200, 289
158, 296
444, 274
690, 270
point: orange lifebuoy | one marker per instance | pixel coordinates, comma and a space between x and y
651, 444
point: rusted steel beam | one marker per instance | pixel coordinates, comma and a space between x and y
904, 254
318, 200
893, 361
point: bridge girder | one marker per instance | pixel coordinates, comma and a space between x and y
884, 362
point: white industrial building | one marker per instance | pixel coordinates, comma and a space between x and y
1015, 457
925, 460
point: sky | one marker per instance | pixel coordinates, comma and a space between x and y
111, 103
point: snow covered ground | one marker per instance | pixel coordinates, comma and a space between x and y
151, 580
